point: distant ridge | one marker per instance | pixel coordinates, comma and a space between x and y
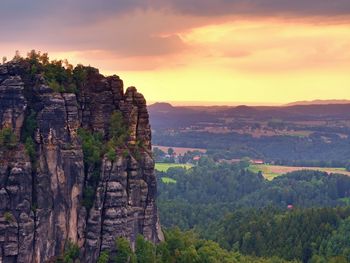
318, 102
161, 106
164, 115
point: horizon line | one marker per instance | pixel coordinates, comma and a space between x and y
186, 103
214, 103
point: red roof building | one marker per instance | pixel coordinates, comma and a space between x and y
196, 158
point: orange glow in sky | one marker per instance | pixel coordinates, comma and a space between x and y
222, 60
252, 62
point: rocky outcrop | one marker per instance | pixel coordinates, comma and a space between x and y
41, 201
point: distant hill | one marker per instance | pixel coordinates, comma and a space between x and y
161, 106
241, 110
318, 102
164, 115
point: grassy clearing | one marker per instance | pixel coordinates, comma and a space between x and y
163, 167
168, 180
272, 171
265, 170
179, 150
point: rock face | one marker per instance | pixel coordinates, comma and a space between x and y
41, 202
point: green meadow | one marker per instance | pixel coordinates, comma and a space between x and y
163, 167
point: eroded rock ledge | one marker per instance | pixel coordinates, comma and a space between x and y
41, 203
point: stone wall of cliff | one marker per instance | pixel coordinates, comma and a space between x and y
41, 202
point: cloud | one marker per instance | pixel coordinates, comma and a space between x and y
91, 24
261, 7
245, 49
155, 30
140, 33
270, 46
90, 9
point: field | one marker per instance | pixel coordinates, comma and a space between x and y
168, 180
179, 150
265, 169
269, 132
272, 171
163, 167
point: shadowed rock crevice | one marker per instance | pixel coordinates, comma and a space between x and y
42, 179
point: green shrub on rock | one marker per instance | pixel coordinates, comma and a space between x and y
8, 139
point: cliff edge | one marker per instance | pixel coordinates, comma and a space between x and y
75, 162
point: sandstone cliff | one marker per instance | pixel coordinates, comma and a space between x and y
42, 200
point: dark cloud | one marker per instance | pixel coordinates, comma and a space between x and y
80, 25
85, 10
105, 24
149, 45
14, 12
261, 7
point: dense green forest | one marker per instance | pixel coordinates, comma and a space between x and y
295, 216
179, 246
310, 235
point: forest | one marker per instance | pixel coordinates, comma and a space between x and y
281, 148
299, 216
179, 246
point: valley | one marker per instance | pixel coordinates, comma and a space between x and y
226, 173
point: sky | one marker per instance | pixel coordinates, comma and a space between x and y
195, 51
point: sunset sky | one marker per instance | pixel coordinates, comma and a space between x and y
195, 51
